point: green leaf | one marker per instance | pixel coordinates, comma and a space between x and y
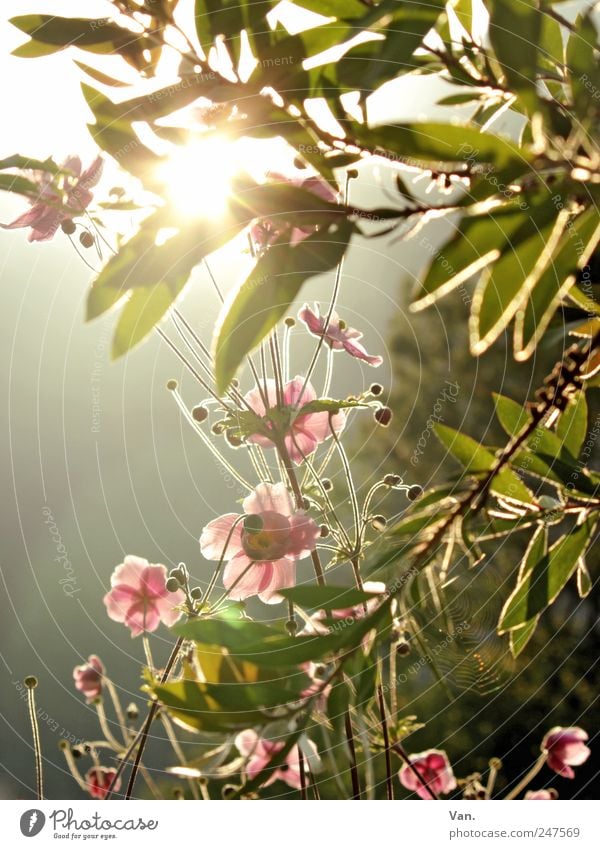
266, 295
514, 31
573, 253
144, 309
537, 548
366, 66
222, 707
519, 637
55, 33
548, 467
329, 405
505, 287
573, 424
584, 580
345, 10
477, 460
113, 133
431, 142
328, 597
25, 163
583, 72
479, 240
460, 99
100, 77
512, 416
18, 185
542, 583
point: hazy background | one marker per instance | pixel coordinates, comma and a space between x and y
100, 447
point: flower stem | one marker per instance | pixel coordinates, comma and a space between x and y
291, 474
527, 777
353, 765
386, 739
400, 750
31, 684
143, 736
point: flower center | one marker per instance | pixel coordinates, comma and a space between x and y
271, 542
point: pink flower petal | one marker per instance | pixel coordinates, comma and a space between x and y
281, 576
296, 393
269, 497
300, 443
243, 582
214, 538
129, 571
304, 535
356, 350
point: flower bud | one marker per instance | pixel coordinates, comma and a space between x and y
392, 480
291, 626
378, 523
327, 484
196, 593
324, 530
68, 227
290, 322
76, 751
172, 585
31, 682
132, 711
218, 428
172, 385
253, 524
403, 647
352, 173
375, 389
233, 439
383, 416
414, 492
199, 413
86, 239
228, 791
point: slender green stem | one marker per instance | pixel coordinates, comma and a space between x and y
352, 751
104, 725
175, 745
389, 786
350, 483
291, 474
143, 736
397, 747
112, 691
215, 574
35, 733
302, 770
529, 776
226, 594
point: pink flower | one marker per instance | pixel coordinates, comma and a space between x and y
58, 198
317, 625
337, 334
88, 677
99, 780
434, 769
317, 687
281, 535
306, 430
139, 597
265, 231
260, 752
541, 794
564, 748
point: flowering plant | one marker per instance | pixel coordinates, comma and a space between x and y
290, 630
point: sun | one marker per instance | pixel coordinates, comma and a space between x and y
198, 177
